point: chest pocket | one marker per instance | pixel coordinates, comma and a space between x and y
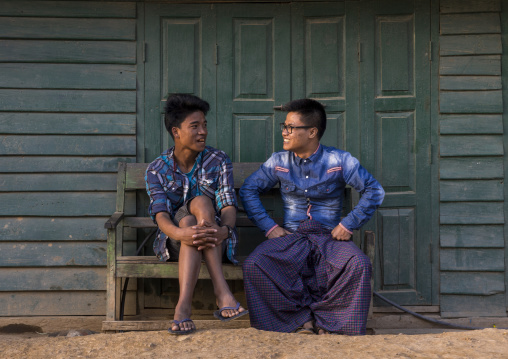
326, 188
207, 185
174, 187
287, 187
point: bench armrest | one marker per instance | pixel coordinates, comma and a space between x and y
113, 221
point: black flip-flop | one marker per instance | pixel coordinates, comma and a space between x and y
218, 313
181, 332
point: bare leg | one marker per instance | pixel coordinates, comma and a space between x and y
202, 208
189, 263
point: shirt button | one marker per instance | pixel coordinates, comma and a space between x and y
306, 176
305, 190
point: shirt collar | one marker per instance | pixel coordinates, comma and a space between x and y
168, 157
312, 158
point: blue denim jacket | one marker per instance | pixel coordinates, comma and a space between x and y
312, 188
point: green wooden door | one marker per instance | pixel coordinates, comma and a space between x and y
395, 141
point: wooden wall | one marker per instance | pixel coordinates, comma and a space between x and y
472, 255
67, 116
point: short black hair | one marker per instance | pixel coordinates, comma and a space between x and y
179, 106
312, 113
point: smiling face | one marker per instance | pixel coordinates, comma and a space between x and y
302, 140
192, 133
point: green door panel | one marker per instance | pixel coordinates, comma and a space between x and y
253, 76
180, 58
395, 139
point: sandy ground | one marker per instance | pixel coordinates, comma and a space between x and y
251, 343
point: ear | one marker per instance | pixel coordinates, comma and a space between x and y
174, 130
313, 132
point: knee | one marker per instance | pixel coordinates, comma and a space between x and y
199, 204
187, 221
360, 263
250, 264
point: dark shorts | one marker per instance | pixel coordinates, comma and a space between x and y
173, 245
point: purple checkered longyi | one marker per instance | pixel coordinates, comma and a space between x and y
305, 276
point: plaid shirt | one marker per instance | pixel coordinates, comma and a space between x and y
312, 188
169, 188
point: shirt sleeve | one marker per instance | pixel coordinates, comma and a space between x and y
159, 201
225, 193
371, 192
257, 183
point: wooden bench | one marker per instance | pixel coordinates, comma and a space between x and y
130, 179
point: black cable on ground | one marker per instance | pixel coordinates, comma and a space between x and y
435, 321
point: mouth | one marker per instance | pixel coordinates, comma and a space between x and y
201, 140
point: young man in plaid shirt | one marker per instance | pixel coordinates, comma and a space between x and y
193, 202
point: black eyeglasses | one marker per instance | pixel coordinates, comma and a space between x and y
290, 128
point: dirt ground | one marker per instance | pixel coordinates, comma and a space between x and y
251, 343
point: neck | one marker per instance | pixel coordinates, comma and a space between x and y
308, 151
185, 158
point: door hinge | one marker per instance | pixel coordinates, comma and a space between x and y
430, 51
144, 51
359, 51
216, 54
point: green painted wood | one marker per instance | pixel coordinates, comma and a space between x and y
101, 52
68, 8
471, 168
471, 213
472, 283
249, 130
463, 45
480, 23
70, 204
68, 76
470, 83
471, 190
462, 146
254, 72
487, 65
395, 121
30, 164
67, 123
471, 102
67, 100
471, 236
473, 6
471, 124
53, 228
486, 260
68, 29
460, 306
167, 32
68, 145
54, 279
57, 182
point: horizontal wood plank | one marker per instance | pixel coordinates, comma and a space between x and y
471, 168
470, 83
71, 204
471, 124
473, 6
462, 146
487, 65
59, 303
68, 76
30, 164
471, 236
471, 213
57, 182
460, 306
471, 101
479, 23
472, 259
59, 51
69, 8
67, 28
67, 100
463, 45
68, 145
57, 279
461, 190
154, 269
53, 228
473, 283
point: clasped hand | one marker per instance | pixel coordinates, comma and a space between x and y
203, 235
